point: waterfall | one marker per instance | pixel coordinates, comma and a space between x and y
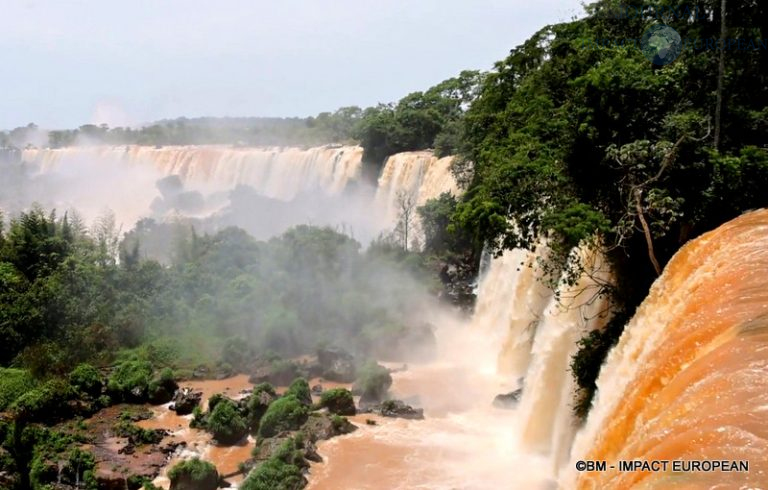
537, 331
688, 379
419, 175
280, 173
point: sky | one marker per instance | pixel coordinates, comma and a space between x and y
129, 62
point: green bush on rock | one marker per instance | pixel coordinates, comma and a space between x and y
86, 379
226, 423
194, 474
282, 471
300, 389
130, 381
286, 413
338, 401
373, 382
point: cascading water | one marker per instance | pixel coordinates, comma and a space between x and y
280, 173
688, 379
418, 175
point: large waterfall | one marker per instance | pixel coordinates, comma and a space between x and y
417, 176
280, 173
688, 379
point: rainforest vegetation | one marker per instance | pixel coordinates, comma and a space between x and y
563, 141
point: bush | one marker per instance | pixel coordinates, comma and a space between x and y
162, 387
258, 403
286, 413
194, 474
282, 471
373, 382
338, 401
225, 422
137, 435
13, 384
47, 403
130, 381
86, 379
300, 389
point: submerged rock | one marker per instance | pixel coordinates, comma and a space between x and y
508, 400
185, 400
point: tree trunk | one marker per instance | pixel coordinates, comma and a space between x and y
720, 76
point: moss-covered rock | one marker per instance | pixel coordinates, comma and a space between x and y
282, 471
338, 401
226, 423
258, 403
47, 403
162, 387
300, 389
194, 474
130, 381
86, 379
286, 413
373, 383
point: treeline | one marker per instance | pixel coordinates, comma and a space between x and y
576, 144
69, 294
421, 120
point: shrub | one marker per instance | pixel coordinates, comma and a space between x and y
282, 471
162, 387
86, 379
47, 403
300, 389
13, 384
194, 474
137, 435
286, 413
225, 422
130, 380
338, 401
373, 382
263, 395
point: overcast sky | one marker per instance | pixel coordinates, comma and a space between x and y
125, 62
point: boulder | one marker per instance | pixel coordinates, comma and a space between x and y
278, 373
338, 401
185, 400
337, 365
317, 390
398, 409
322, 426
508, 400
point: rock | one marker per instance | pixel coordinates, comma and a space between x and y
317, 390
338, 401
337, 365
508, 400
185, 400
323, 426
189, 481
370, 422
201, 372
162, 391
398, 409
279, 373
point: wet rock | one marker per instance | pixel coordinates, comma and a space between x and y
398, 409
337, 365
162, 391
317, 390
370, 422
338, 401
323, 426
508, 400
278, 373
185, 400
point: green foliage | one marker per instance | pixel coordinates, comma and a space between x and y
226, 423
46, 403
338, 401
137, 435
373, 382
300, 389
13, 384
130, 380
194, 469
282, 471
86, 379
286, 413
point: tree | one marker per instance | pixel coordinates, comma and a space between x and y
406, 224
